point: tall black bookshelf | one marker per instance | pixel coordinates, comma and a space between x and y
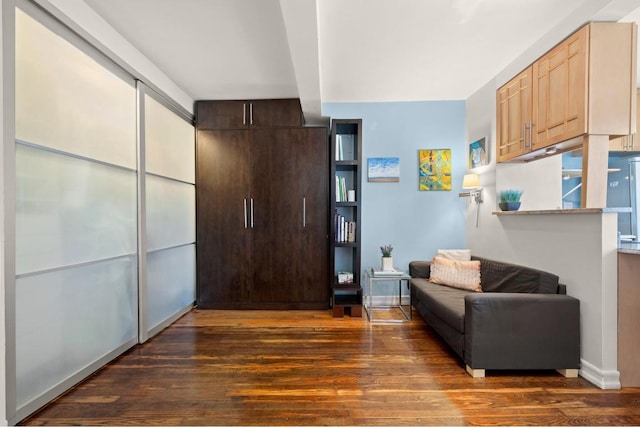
346, 215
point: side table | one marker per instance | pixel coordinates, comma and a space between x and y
371, 277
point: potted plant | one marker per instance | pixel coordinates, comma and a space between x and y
387, 259
510, 199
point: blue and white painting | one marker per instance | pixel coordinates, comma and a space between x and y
384, 169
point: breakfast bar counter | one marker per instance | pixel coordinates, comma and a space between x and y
629, 248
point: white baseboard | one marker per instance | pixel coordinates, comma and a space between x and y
606, 380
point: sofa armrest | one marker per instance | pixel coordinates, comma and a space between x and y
420, 269
521, 331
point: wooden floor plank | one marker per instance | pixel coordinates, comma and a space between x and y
308, 368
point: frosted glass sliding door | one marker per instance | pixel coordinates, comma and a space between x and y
170, 282
76, 203
68, 101
169, 158
70, 210
69, 318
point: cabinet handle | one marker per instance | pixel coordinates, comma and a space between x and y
304, 212
252, 212
251, 114
245, 212
531, 125
524, 136
244, 114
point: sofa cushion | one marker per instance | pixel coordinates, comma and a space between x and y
459, 274
445, 302
505, 277
455, 254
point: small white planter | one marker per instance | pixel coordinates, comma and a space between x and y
387, 263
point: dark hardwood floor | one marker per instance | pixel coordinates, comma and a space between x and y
308, 368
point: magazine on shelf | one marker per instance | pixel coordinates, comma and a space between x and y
387, 273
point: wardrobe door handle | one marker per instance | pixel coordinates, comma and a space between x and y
244, 202
252, 212
304, 212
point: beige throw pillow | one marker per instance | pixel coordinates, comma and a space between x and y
457, 274
455, 254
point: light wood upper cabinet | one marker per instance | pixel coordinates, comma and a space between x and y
583, 86
514, 116
628, 142
560, 86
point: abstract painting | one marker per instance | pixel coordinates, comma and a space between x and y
478, 153
434, 170
384, 169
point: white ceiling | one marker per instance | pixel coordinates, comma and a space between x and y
338, 50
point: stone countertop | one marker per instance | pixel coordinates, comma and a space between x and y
629, 248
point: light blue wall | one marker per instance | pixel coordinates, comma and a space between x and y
416, 223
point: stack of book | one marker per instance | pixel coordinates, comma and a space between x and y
345, 231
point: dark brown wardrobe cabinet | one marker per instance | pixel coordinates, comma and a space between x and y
249, 114
261, 214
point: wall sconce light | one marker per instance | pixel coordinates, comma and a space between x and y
471, 182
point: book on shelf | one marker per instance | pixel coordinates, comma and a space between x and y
387, 273
345, 230
339, 152
341, 189
351, 231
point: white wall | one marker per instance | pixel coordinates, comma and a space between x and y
540, 180
579, 248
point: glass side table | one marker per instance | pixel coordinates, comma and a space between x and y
373, 276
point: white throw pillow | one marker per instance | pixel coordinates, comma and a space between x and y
457, 274
455, 254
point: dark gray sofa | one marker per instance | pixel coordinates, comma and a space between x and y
523, 319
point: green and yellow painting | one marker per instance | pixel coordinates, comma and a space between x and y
435, 170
